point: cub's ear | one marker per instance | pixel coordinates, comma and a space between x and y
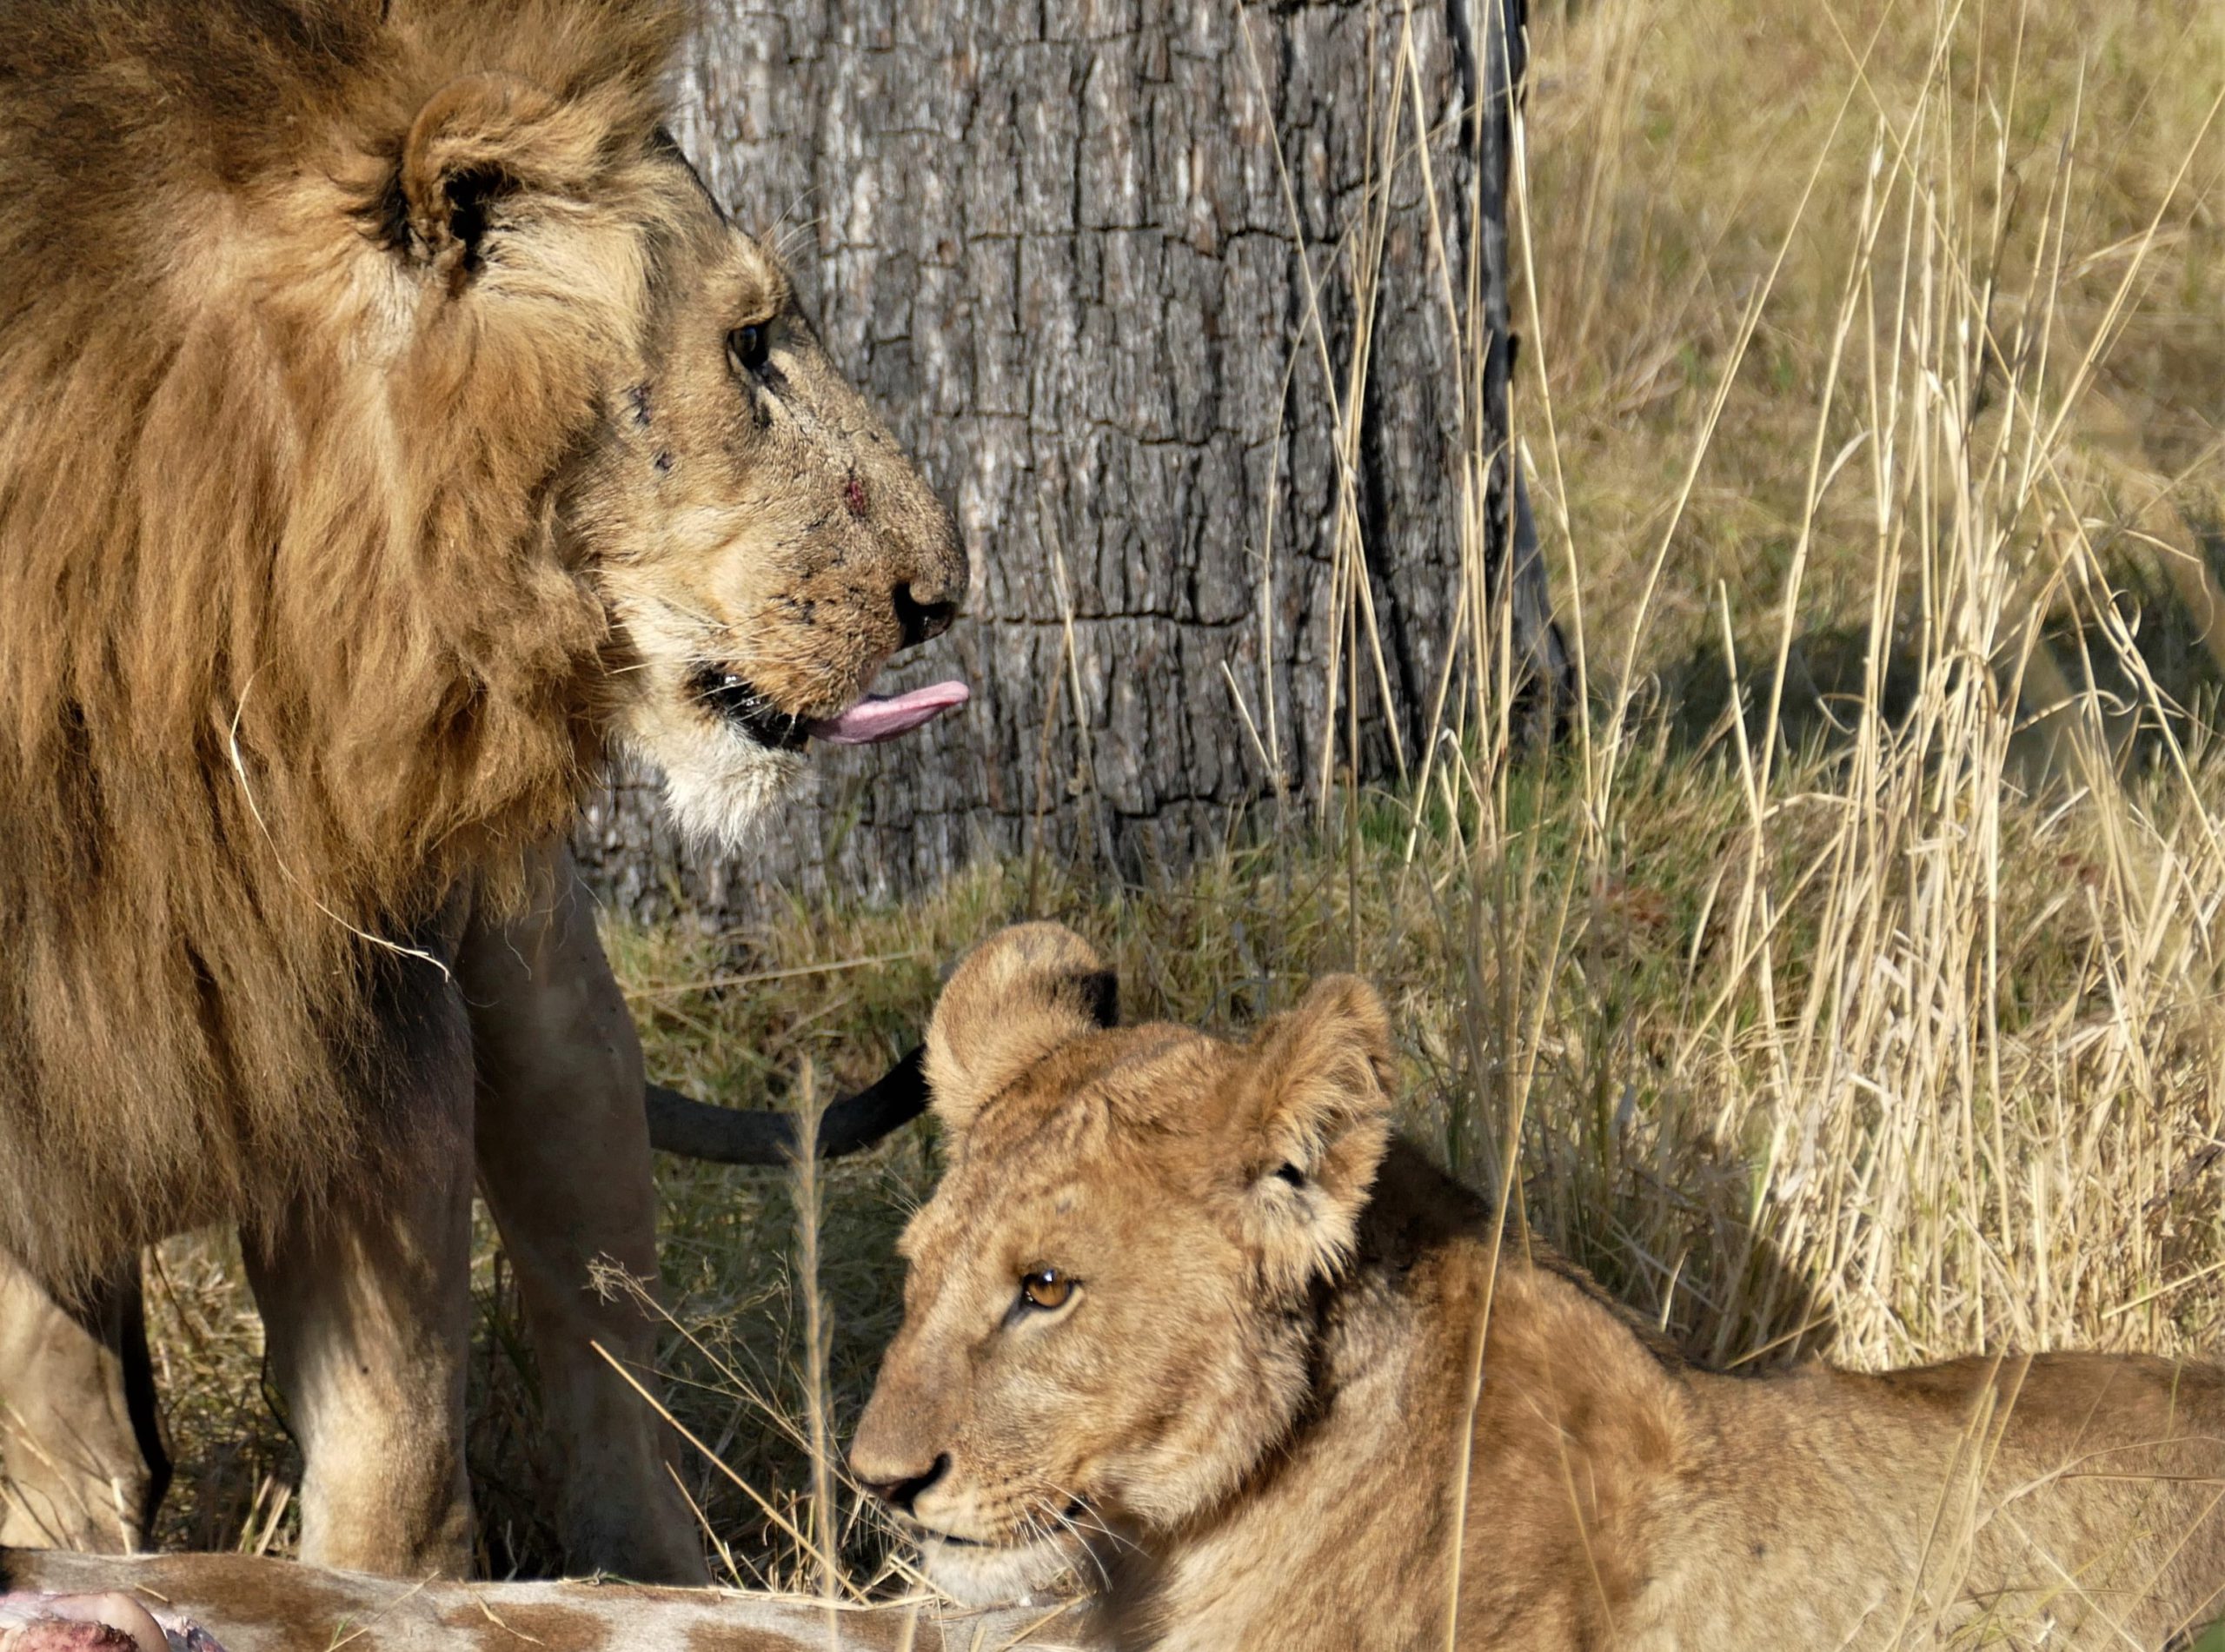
1021, 994
1314, 1126
480, 143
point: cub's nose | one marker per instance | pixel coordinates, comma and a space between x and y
899, 1492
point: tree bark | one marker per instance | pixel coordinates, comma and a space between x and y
1057, 246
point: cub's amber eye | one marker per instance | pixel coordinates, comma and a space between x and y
1046, 1288
747, 347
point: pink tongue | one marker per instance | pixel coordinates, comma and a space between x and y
878, 717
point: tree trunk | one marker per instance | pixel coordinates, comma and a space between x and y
1056, 245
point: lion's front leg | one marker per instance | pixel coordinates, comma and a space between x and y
564, 1162
367, 1316
84, 1466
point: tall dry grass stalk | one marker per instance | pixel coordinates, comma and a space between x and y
818, 1396
1943, 1095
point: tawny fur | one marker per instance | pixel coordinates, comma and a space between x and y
369, 452
1249, 1423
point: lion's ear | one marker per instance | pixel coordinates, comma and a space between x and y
481, 141
1020, 995
1314, 1125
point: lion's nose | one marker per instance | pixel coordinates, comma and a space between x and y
903, 1492
919, 620
930, 578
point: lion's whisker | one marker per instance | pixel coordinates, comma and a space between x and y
1089, 1521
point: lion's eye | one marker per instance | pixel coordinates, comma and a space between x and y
1046, 1288
747, 348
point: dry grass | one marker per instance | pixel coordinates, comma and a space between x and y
1847, 982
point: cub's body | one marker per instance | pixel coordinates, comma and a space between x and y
1188, 1326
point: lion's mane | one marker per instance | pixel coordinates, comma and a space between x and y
290, 652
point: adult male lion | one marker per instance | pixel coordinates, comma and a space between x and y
1185, 1318
387, 416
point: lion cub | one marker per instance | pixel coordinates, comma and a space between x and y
1187, 1322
